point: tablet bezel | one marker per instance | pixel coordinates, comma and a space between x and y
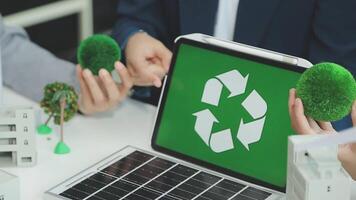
163, 99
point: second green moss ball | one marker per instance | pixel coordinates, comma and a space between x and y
97, 52
327, 91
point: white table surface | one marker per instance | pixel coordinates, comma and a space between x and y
90, 138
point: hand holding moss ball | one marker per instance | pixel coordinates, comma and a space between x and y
327, 91
97, 52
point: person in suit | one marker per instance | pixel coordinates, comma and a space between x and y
27, 68
317, 30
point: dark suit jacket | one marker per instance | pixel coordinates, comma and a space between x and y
317, 30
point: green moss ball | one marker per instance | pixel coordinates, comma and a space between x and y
97, 52
327, 91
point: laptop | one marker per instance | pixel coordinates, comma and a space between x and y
220, 133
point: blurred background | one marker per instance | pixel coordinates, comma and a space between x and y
59, 25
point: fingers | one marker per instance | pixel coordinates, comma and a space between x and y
353, 114
94, 88
113, 95
150, 74
156, 74
148, 60
126, 81
83, 87
347, 155
165, 56
313, 124
85, 100
326, 126
157, 82
101, 93
299, 121
291, 100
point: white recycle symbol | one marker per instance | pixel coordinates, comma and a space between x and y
255, 105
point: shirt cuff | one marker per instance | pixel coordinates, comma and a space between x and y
131, 32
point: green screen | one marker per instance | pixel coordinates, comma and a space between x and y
264, 159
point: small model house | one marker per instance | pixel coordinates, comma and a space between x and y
17, 135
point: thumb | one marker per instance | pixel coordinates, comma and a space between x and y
353, 114
157, 73
299, 121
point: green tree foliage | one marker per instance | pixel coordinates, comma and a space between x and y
51, 101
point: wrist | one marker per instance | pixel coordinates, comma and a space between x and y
130, 36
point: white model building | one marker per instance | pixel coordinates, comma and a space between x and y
316, 173
17, 135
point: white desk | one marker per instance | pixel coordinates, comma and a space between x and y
90, 138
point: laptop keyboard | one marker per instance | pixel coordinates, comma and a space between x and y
140, 176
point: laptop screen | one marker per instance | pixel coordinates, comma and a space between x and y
227, 111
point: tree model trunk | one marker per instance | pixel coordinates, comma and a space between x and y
62, 105
49, 118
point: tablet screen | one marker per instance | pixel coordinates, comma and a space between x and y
227, 111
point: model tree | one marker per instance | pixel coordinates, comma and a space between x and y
98, 51
44, 129
60, 103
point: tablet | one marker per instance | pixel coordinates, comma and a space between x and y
224, 106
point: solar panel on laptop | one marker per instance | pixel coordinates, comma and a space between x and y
141, 176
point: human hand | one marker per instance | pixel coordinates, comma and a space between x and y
304, 125
99, 94
147, 60
347, 152
300, 123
